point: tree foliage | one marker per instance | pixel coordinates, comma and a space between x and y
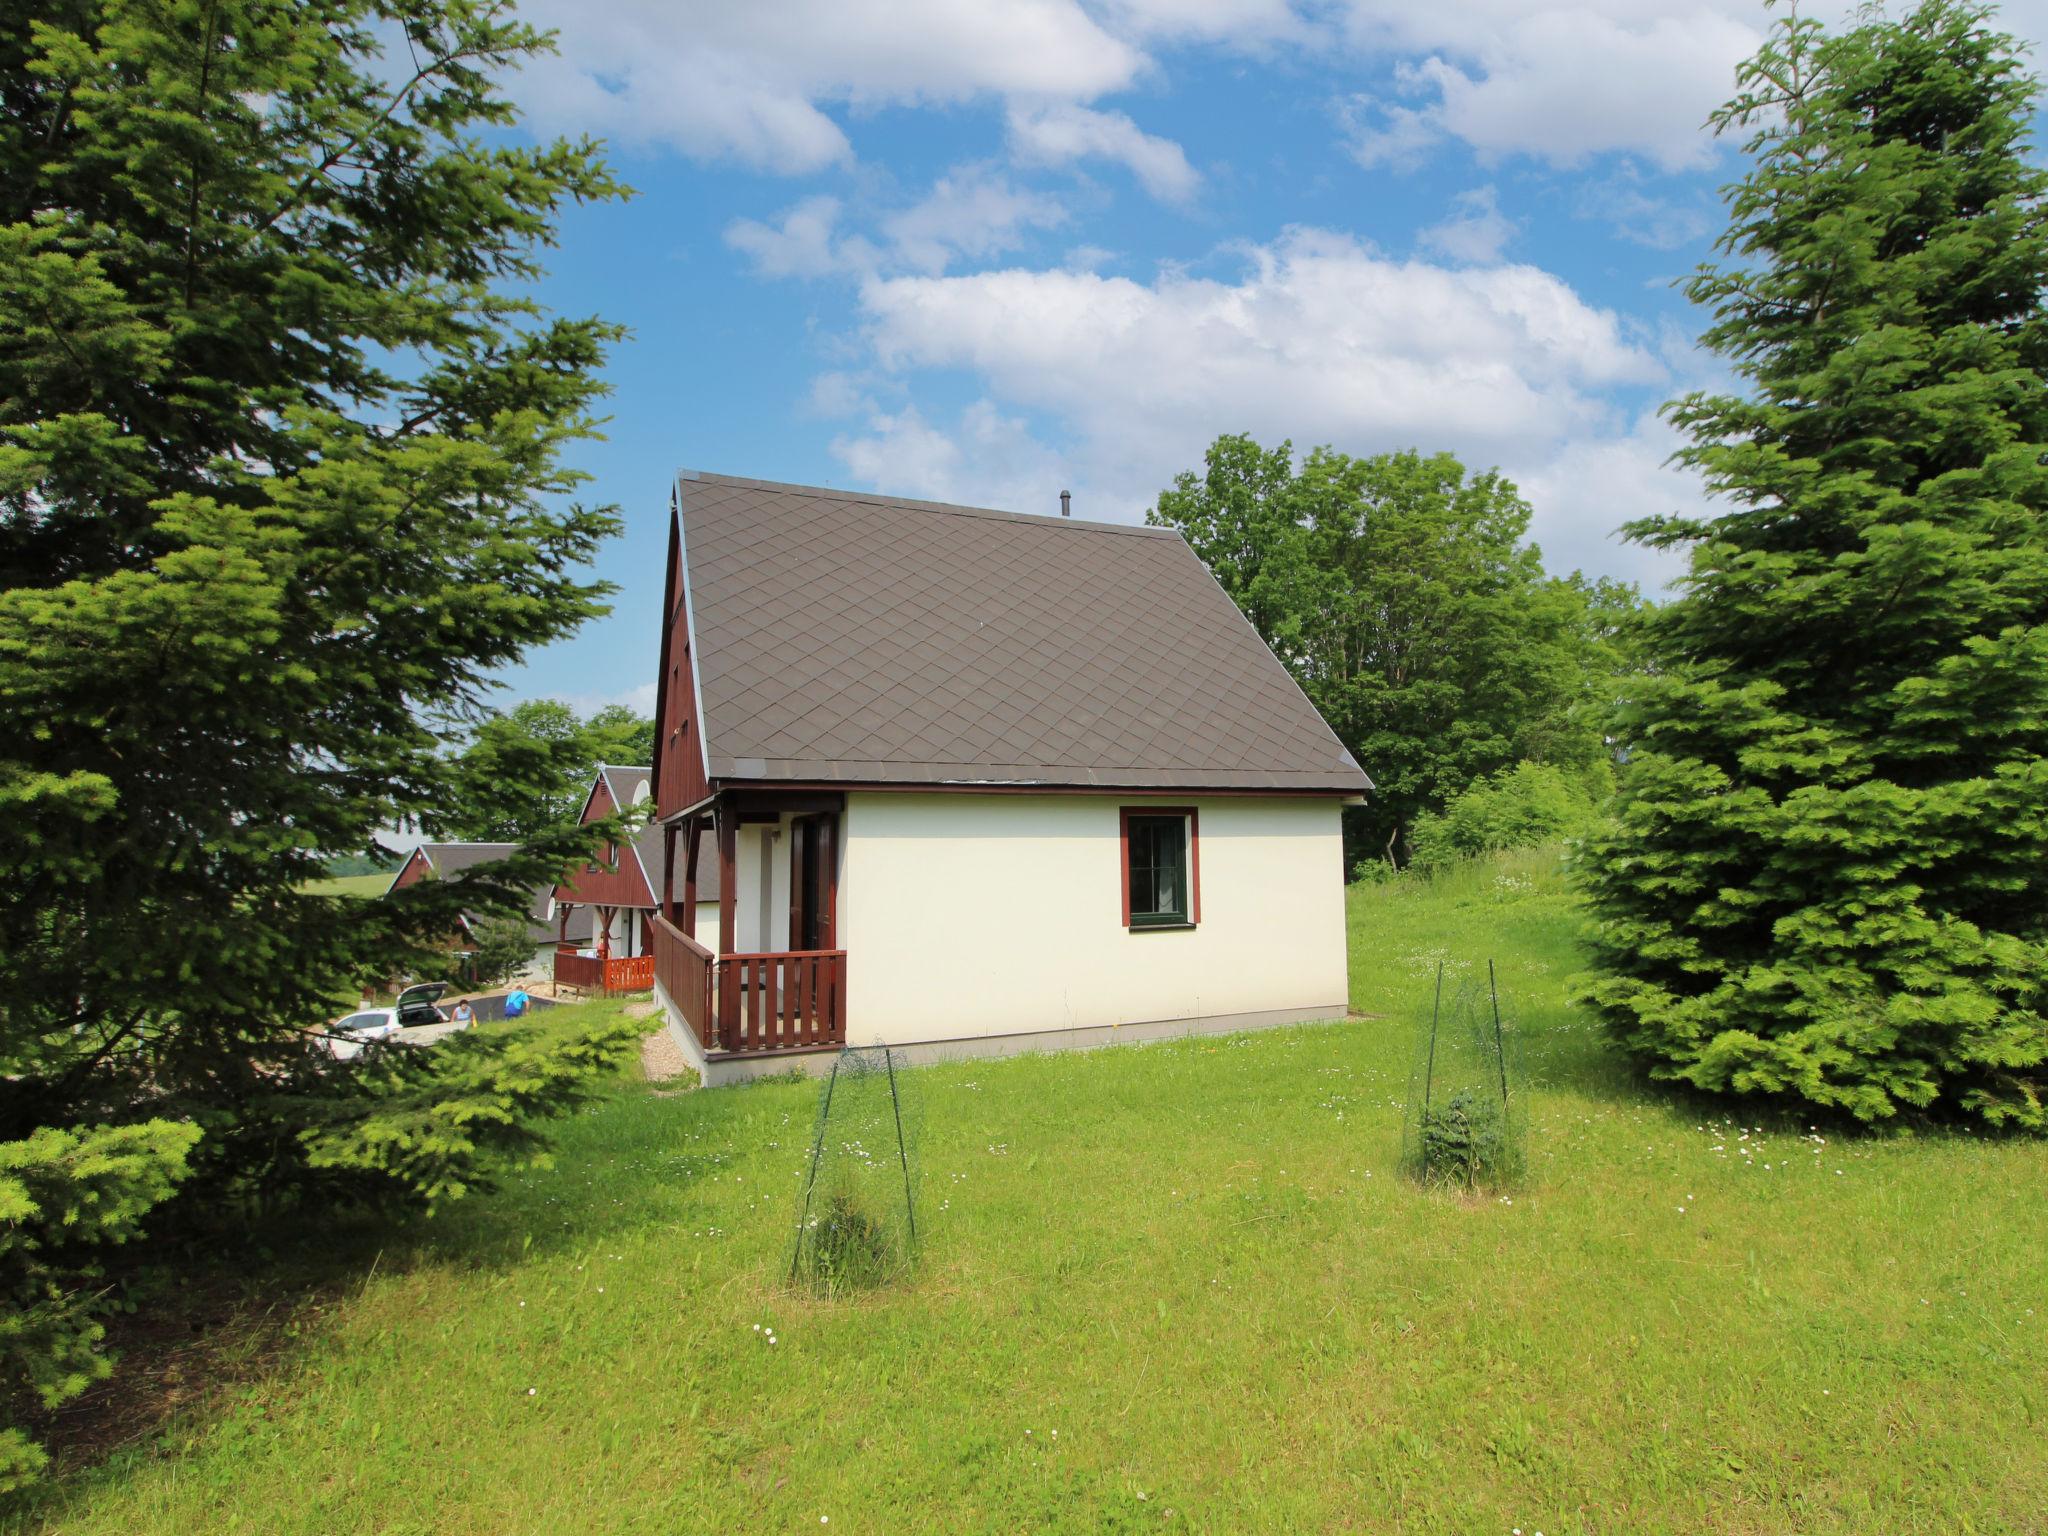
528, 769
504, 947
1401, 593
1829, 881
1518, 807
65, 1196
282, 483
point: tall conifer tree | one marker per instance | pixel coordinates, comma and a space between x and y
1829, 881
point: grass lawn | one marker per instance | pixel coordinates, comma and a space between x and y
1173, 1287
349, 885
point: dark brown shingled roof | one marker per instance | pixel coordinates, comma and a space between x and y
452, 858
842, 636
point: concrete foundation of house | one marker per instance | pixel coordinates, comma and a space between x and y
717, 1071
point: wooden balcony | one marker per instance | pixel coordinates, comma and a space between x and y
618, 973
788, 1000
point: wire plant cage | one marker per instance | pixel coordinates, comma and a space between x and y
857, 1213
1466, 1122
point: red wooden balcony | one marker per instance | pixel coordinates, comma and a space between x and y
786, 1000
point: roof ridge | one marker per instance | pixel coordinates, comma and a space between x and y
912, 503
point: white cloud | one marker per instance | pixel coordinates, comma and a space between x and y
751, 82
1591, 486
971, 211
1477, 233
988, 458
1320, 339
1565, 80
1058, 133
1238, 23
1558, 81
804, 242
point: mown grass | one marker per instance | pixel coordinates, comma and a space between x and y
1183, 1286
348, 885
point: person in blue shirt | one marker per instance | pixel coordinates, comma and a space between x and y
515, 1003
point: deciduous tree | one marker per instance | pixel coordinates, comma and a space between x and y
1402, 593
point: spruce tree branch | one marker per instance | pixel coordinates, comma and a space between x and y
398, 99
199, 111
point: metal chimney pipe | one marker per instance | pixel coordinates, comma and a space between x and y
1066, 503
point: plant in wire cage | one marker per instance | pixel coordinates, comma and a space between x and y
1463, 1125
857, 1213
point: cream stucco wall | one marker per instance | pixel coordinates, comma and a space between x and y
968, 915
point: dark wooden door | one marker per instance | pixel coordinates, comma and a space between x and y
812, 850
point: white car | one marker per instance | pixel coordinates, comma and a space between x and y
415, 1005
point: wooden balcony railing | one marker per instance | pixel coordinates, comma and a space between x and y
618, 973
684, 968
787, 1000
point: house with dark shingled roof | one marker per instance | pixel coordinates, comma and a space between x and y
975, 781
606, 906
434, 861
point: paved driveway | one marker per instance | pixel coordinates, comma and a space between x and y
427, 1034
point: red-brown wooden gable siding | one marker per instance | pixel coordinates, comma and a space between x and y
679, 779
620, 886
414, 872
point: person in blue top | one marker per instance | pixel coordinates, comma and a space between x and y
515, 1003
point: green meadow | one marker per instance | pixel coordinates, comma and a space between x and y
1182, 1286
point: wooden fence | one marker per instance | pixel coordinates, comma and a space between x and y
619, 973
787, 1000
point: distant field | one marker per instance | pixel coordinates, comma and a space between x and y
1175, 1287
350, 885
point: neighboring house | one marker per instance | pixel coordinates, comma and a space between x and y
976, 781
432, 861
611, 898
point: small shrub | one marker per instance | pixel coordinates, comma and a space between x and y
1518, 807
851, 1249
1464, 1123
1464, 1141
856, 1220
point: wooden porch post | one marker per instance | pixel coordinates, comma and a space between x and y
727, 821
693, 840
728, 879
665, 898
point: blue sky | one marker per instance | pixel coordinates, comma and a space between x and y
986, 250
